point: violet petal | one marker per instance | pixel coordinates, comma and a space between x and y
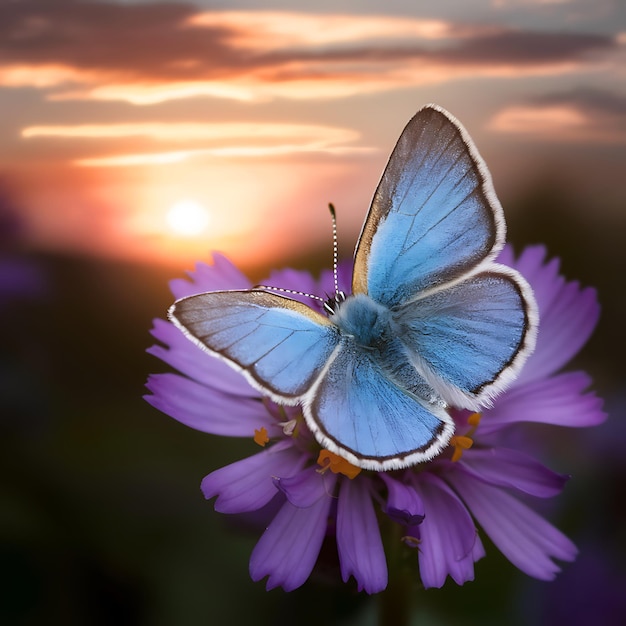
205, 409
404, 506
510, 468
522, 535
221, 275
248, 485
568, 314
289, 547
304, 488
360, 547
450, 543
559, 400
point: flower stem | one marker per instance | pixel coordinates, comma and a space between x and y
395, 602
394, 607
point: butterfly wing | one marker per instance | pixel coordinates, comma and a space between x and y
434, 215
426, 251
469, 339
365, 413
281, 345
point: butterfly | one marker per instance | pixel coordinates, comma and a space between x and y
432, 321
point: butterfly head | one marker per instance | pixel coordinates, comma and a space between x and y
364, 320
332, 303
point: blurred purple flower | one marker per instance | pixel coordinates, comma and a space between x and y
19, 279
434, 505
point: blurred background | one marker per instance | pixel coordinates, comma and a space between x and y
136, 137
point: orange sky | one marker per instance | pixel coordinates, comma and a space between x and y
115, 112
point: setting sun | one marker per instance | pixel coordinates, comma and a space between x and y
188, 218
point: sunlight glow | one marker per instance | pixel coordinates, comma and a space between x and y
188, 218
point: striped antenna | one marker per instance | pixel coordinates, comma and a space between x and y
289, 291
333, 216
331, 303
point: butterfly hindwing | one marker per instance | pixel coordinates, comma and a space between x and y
280, 344
360, 413
434, 215
469, 339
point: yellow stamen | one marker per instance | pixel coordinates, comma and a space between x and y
465, 442
261, 437
474, 419
460, 443
337, 464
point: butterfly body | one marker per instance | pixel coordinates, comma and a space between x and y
432, 320
364, 320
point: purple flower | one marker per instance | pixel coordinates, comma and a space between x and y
435, 506
19, 279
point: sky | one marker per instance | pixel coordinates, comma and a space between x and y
158, 131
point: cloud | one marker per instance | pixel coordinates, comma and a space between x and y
507, 3
270, 30
223, 139
578, 116
184, 131
150, 53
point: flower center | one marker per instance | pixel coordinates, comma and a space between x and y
465, 442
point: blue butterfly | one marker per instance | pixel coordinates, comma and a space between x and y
432, 321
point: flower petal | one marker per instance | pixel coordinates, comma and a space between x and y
288, 549
449, 542
360, 547
189, 359
248, 485
559, 400
522, 535
206, 409
221, 275
567, 313
297, 281
404, 506
510, 468
304, 488
344, 278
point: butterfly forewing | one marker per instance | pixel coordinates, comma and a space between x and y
434, 215
281, 344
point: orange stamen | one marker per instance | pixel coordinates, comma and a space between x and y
460, 443
474, 419
261, 437
337, 464
465, 442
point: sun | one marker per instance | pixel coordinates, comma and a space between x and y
188, 218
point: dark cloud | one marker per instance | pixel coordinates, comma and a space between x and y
134, 40
526, 48
152, 42
594, 102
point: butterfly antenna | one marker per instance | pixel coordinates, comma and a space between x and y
333, 217
330, 304
291, 292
